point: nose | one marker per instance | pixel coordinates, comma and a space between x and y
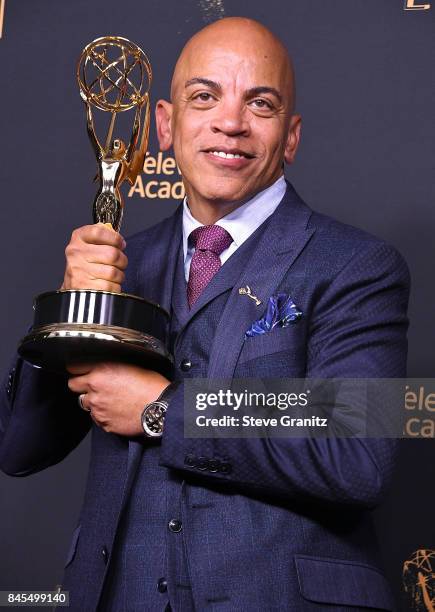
230, 118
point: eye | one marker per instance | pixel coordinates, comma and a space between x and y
203, 96
262, 104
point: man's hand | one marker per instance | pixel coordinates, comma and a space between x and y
116, 394
95, 259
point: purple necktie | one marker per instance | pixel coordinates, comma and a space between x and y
209, 242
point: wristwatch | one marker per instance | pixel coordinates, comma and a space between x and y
153, 415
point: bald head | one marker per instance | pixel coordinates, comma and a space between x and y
247, 39
230, 120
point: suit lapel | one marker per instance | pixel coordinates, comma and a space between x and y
156, 272
180, 305
280, 243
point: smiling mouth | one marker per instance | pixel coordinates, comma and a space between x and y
234, 154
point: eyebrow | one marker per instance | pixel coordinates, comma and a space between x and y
202, 81
250, 93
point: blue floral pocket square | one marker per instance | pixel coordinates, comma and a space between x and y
281, 311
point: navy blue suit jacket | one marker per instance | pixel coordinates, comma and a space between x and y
286, 525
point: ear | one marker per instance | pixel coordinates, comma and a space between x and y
294, 133
163, 124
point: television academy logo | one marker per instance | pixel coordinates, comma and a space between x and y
416, 5
160, 178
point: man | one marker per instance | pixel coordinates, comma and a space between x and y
250, 524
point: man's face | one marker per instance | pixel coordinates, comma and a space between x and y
230, 122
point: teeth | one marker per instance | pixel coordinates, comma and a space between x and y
226, 155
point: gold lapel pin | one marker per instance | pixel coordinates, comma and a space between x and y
247, 291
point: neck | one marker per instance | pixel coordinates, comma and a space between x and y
208, 213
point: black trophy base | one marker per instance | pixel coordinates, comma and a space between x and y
94, 326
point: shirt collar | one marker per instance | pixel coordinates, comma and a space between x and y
242, 221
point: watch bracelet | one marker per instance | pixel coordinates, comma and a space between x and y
168, 392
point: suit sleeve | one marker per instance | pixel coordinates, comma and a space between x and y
357, 330
40, 421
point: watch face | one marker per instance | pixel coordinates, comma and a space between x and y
153, 418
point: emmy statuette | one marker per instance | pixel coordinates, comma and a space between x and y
114, 75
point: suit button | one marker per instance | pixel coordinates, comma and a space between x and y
214, 465
226, 468
10, 383
105, 554
162, 585
190, 460
185, 365
175, 525
202, 463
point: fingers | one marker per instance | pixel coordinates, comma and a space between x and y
95, 259
78, 384
103, 254
87, 377
99, 233
107, 273
79, 369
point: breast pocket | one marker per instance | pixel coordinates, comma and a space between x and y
290, 339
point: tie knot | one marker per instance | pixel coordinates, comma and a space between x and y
212, 238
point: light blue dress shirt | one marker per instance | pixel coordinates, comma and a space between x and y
240, 223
